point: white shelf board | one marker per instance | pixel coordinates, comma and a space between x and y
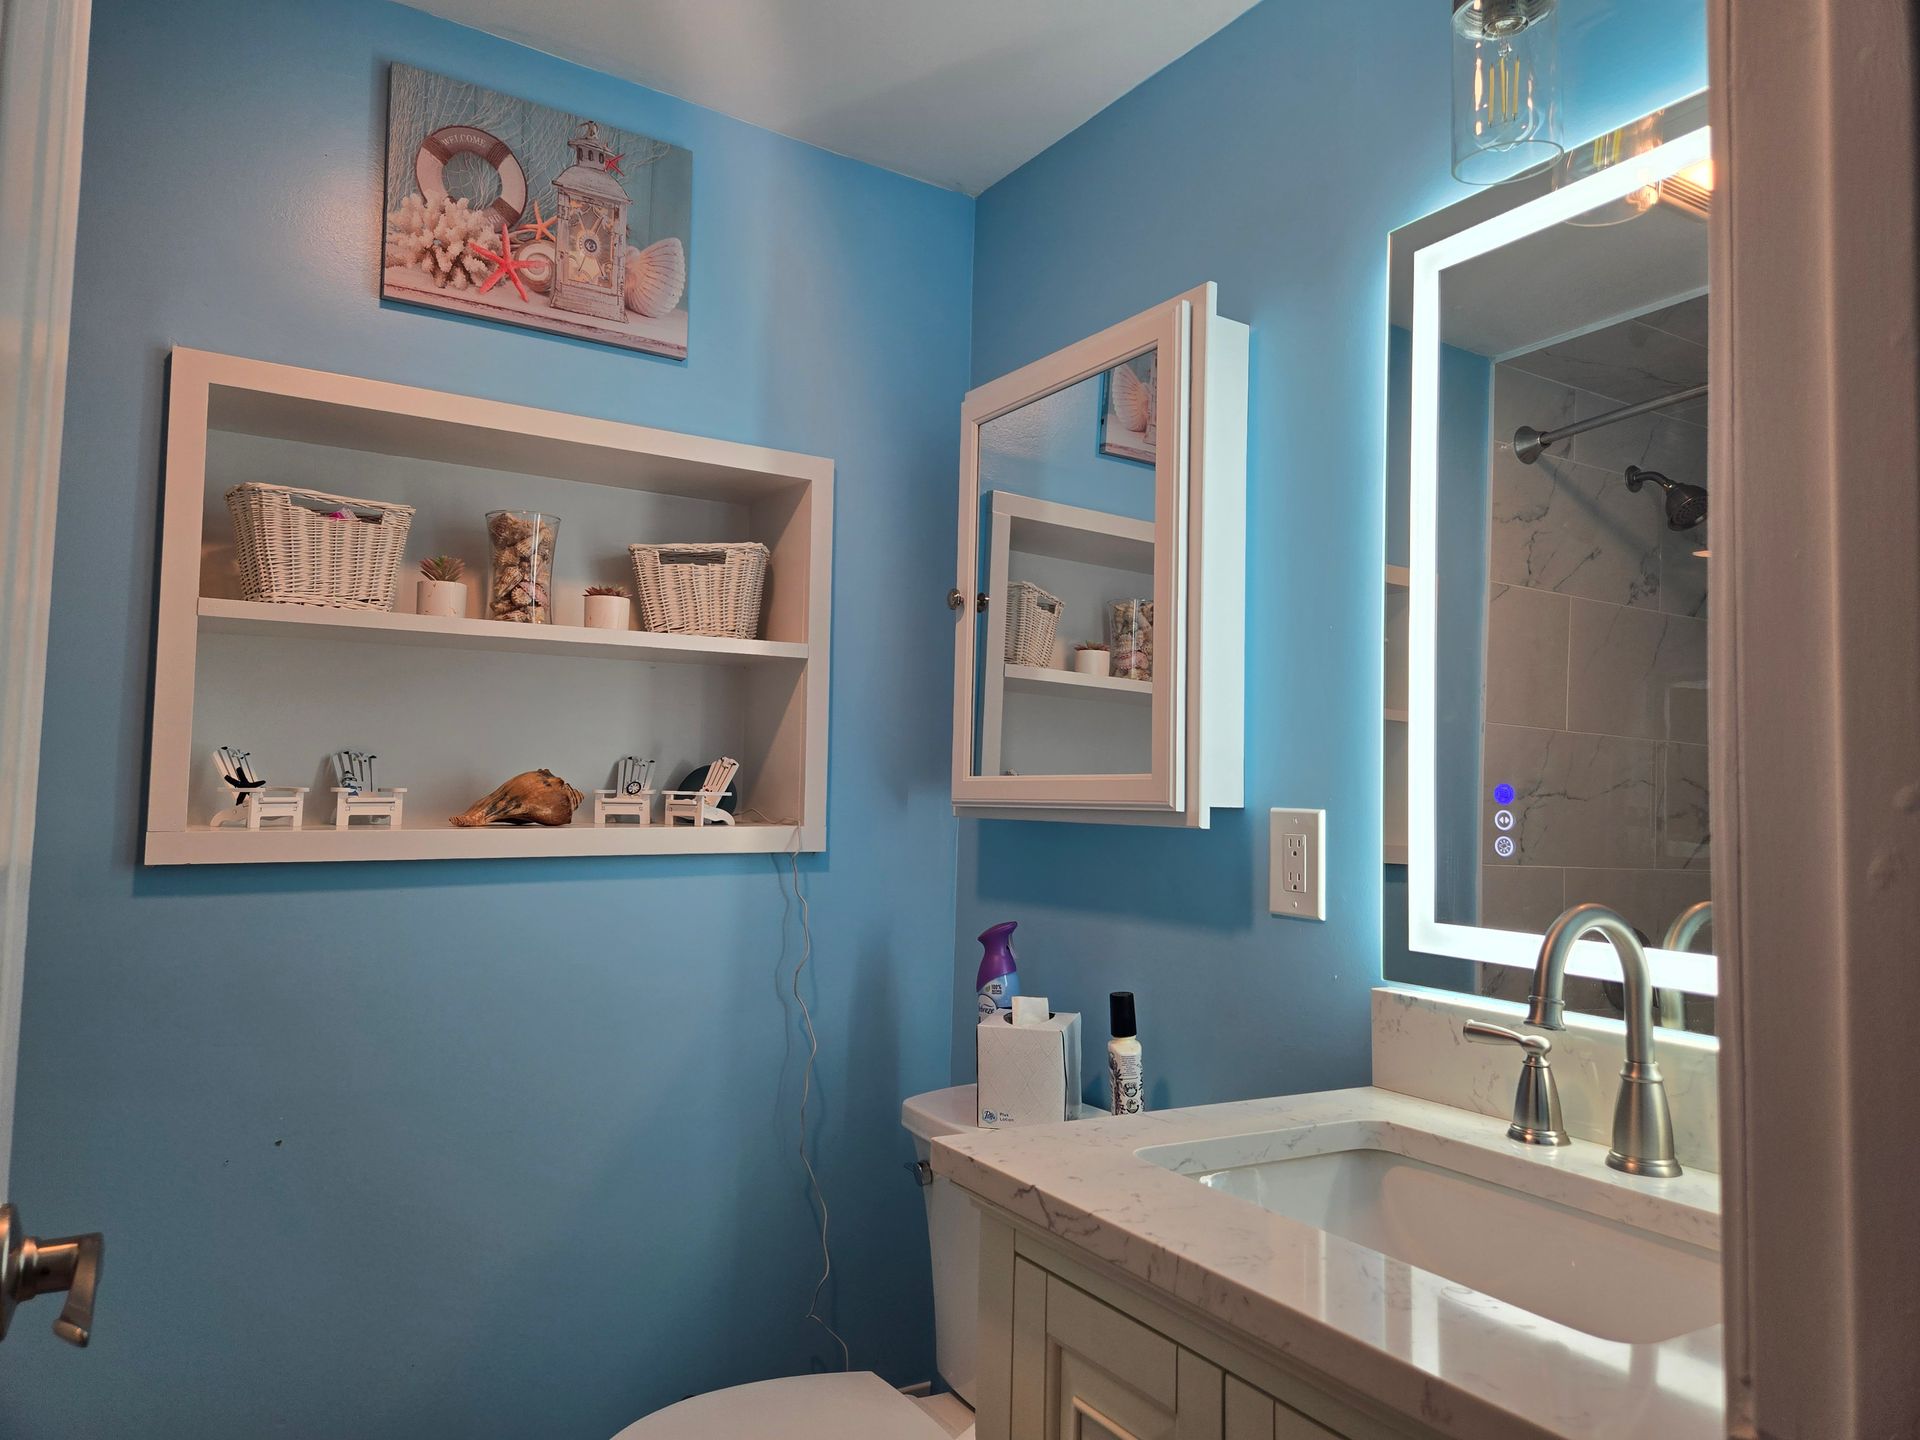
1039, 680
286, 402
230, 845
1072, 532
247, 617
1395, 854
1399, 578
1397, 715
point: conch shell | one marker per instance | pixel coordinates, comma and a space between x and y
537, 797
1132, 400
656, 277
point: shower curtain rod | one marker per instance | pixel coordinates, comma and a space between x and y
1529, 443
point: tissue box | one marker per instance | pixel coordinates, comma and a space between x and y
1029, 1074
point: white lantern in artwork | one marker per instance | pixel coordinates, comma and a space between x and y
589, 275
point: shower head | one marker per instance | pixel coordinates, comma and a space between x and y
1686, 504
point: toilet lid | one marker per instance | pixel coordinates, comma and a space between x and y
859, 1406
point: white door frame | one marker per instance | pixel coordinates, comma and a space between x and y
43, 85
1815, 658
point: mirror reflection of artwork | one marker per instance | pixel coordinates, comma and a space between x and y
1129, 427
506, 210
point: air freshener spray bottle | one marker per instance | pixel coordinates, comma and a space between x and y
998, 981
1123, 1056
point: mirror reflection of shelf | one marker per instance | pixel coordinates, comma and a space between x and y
1037, 680
1071, 532
1399, 583
1087, 558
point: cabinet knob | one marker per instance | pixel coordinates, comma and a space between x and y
30, 1267
955, 600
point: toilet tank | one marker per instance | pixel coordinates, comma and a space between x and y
953, 1234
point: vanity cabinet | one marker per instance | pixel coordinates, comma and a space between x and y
1101, 584
1071, 1352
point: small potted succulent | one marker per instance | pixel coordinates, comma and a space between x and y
1090, 659
608, 608
441, 591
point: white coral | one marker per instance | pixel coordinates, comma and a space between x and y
437, 237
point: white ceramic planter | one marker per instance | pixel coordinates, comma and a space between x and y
609, 612
1090, 662
444, 598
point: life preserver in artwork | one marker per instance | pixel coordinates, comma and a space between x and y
430, 163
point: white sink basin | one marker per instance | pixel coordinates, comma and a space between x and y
1581, 1267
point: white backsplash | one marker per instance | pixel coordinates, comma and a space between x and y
1418, 1050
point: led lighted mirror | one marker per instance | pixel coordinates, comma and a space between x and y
1555, 373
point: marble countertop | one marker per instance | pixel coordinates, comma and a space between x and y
1463, 1363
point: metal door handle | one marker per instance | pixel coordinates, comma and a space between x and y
30, 1267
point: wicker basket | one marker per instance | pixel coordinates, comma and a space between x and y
700, 589
292, 550
1032, 618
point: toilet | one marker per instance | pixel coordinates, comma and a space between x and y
862, 1406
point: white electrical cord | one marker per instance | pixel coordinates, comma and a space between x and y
806, 1089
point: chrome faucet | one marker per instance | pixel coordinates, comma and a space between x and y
1642, 1128
1687, 925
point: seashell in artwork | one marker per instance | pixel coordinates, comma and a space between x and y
1132, 399
537, 797
540, 261
656, 277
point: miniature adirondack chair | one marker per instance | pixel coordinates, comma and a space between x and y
357, 798
631, 799
702, 806
254, 801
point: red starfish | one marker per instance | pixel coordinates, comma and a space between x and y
613, 163
503, 264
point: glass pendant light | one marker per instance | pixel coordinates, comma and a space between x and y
1506, 89
1616, 147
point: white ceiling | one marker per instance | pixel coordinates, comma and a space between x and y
958, 92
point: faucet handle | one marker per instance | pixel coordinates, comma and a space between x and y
1484, 1032
1536, 1102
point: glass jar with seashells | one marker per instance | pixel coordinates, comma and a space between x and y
520, 566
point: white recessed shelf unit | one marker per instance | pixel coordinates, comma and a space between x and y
454, 706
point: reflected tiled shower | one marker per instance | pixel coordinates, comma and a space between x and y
1596, 663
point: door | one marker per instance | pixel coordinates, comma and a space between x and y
43, 71
1073, 535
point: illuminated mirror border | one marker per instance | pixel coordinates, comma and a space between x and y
1697, 974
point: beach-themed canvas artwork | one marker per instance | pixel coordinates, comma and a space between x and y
1128, 426
511, 211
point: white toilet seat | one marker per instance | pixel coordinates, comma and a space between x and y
859, 1406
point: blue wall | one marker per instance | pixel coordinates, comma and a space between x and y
1275, 159
475, 1150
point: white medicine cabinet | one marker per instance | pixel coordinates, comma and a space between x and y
1101, 584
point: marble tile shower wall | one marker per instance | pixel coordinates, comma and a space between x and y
1596, 691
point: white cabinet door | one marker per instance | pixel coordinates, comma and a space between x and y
1108, 1377
1101, 586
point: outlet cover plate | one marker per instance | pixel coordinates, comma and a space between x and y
1296, 874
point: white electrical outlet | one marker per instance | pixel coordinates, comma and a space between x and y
1296, 878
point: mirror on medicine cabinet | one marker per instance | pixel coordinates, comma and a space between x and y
1101, 582
1552, 617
